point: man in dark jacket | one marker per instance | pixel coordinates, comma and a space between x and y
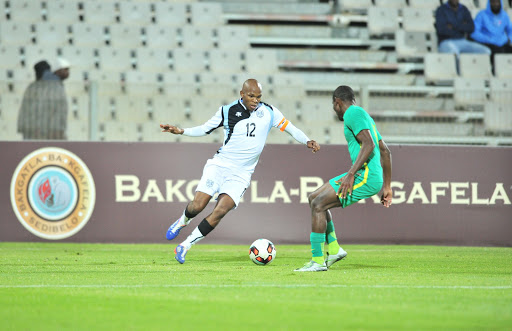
453, 25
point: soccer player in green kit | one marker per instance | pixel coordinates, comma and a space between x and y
370, 172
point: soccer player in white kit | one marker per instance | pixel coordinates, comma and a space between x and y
246, 123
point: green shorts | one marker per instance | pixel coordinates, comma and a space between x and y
364, 187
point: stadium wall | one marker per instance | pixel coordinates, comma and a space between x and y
131, 193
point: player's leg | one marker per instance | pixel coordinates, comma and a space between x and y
206, 189
334, 252
195, 206
224, 204
320, 201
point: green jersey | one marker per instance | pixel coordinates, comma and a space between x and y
357, 119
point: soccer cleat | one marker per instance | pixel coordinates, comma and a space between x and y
174, 230
331, 259
312, 266
180, 252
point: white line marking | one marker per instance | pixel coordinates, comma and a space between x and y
455, 287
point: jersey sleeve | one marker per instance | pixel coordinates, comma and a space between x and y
280, 121
213, 123
357, 121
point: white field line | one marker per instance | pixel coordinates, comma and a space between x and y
449, 287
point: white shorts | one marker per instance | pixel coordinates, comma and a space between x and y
219, 179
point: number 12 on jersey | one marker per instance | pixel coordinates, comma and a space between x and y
250, 129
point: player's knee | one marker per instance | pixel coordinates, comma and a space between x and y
316, 204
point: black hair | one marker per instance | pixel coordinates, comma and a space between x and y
345, 93
40, 67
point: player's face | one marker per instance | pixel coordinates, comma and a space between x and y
453, 3
251, 96
337, 107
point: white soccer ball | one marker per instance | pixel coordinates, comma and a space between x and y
262, 252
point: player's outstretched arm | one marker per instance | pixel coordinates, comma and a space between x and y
171, 129
385, 160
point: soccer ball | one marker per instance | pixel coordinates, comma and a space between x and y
262, 252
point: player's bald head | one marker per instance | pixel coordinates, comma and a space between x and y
251, 85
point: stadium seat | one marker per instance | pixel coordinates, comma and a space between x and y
78, 130
217, 85
498, 118
410, 44
99, 12
501, 90
417, 19
15, 33
78, 106
206, 14
225, 61
193, 37
354, 5
396, 4
135, 13
169, 110
9, 108
425, 4
475, 66
233, 37
25, 11
382, 20
152, 60
286, 85
179, 84
263, 61
11, 57
111, 59
120, 131
51, 34
124, 36
162, 37
188, 60
141, 83
109, 83
131, 109
503, 65
469, 92
170, 13
88, 35
62, 11
439, 67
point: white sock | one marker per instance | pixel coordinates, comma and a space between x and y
193, 238
184, 220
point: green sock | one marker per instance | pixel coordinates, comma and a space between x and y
330, 238
317, 241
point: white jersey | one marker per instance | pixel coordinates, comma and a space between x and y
245, 133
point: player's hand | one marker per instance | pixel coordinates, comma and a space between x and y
387, 197
171, 129
314, 146
346, 185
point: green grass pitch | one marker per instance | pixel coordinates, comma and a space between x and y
57, 286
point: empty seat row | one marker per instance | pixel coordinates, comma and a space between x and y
112, 12
442, 66
145, 59
123, 36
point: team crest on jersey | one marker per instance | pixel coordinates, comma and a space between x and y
52, 193
209, 183
260, 113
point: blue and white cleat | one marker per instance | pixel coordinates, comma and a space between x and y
174, 230
180, 252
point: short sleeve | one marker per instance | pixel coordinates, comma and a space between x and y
357, 121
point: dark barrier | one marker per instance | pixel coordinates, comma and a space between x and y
132, 192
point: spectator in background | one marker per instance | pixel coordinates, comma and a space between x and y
44, 108
453, 25
493, 28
